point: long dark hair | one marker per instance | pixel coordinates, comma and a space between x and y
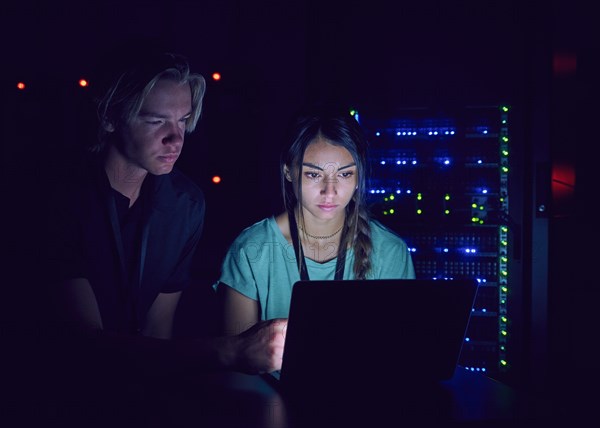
341, 129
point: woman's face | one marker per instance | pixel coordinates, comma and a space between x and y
329, 180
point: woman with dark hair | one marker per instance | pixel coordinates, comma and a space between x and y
324, 233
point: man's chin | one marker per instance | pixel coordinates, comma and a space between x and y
162, 170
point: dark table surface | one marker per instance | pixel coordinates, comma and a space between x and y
229, 399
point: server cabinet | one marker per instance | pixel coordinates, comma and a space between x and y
440, 180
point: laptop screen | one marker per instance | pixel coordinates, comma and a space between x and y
409, 329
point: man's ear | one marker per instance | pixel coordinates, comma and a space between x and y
108, 126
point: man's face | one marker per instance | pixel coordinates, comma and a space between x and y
154, 138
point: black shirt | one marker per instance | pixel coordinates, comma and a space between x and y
128, 255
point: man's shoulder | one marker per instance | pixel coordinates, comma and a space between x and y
184, 185
78, 180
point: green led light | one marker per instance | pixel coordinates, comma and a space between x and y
419, 196
419, 211
504, 229
481, 207
505, 139
504, 169
504, 289
503, 362
504, 273
447, 197
474, 219
385, 213
391, 197
504, 243
504, 333
504, 152
504, 108
446, 212
503, 319
473, 205
481, 221
392, 211
504, 259
385, 199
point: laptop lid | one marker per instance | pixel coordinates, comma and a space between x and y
344, 334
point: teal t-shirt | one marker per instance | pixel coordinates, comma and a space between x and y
261, 264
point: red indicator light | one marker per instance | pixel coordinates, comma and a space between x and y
83, 83
216, 76
564, 63
21, 85
216, 179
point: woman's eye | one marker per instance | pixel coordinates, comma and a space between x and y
312, 175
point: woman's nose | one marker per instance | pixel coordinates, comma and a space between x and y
329, 185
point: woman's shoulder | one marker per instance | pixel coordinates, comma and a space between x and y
261, 228
382, 235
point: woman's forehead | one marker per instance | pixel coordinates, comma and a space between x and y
323, 152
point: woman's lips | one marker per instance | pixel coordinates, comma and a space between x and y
327, 207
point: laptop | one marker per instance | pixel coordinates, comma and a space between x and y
346, 335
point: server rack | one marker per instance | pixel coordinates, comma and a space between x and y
440, 180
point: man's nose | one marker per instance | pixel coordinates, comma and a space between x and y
174, 135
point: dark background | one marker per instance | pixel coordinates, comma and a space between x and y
376, 56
